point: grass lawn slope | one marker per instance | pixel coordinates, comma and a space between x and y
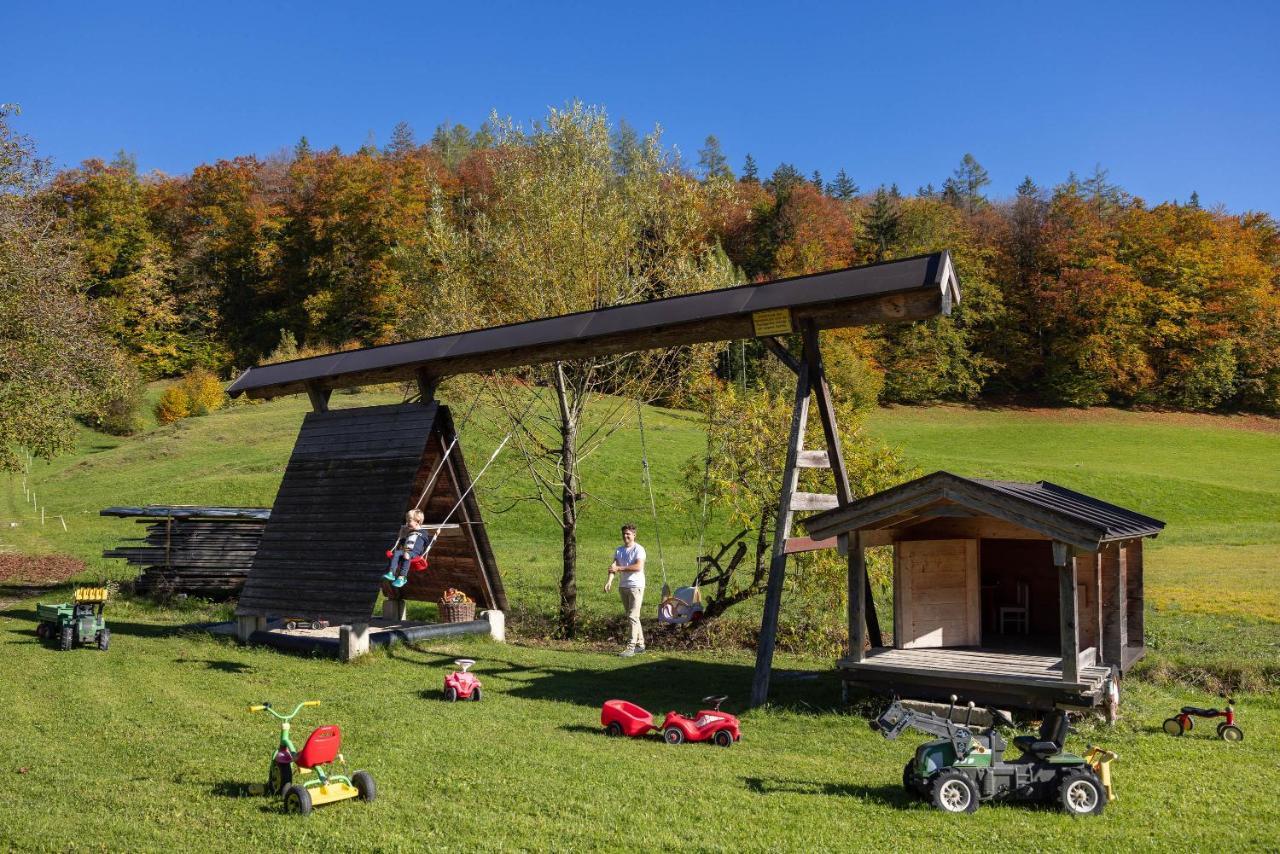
149, 747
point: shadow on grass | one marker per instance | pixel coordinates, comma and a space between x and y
658, 684
215, 664
890, 795
582, 729
144, 630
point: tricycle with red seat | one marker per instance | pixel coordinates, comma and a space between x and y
321, 749
620, 717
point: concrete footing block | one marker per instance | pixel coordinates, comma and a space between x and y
247, 625
353, 641
497, 625
395, 610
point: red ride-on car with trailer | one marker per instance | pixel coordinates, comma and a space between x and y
620, 717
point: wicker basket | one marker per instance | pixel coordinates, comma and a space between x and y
457, 612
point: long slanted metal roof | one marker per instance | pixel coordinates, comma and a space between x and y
910, 289
1053, 510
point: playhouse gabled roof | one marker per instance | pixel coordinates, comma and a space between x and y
1055, 511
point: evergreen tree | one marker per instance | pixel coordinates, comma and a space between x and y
842, 187
402, 140
927, 191
626, 146
883, 223
302, 150
783, 179
749, 170
712, 160
964, 187
1028, 188
816, 180
1194, 201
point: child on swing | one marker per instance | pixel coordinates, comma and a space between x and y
411, 543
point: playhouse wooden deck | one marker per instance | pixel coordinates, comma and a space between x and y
980, 674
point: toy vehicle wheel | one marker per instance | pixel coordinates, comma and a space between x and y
613, 729
476, 694
42, 631
673, 735
290, 625
297, 800
953, 791
66, 639
910, 782
104, 639
1173, 726
1230, 732
363, 781
1081, 793
723, 738
451, 694
279, 778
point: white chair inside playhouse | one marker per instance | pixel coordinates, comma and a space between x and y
1016, 618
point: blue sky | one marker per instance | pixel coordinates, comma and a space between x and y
1169, 97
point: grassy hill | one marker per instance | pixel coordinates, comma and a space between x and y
142, 747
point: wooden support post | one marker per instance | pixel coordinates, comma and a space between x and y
394, 610
353, 641
319, 396
1114, 616
1070, 631
857, 597
778, 562
835, 454
426, 386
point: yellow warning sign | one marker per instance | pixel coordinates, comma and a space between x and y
774, 321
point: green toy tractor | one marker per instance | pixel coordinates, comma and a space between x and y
75, 623
965, 766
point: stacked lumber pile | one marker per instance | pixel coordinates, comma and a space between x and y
199, 551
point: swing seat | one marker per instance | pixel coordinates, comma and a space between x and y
418, 564
683, 606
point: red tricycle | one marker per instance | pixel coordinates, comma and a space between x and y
462, 685
324, 785
1227, 730
619, 717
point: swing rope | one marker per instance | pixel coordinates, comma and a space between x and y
431, 482
653, 506
533, 399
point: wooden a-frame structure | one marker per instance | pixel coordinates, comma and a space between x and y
890, 292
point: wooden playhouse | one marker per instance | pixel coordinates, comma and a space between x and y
1025, 594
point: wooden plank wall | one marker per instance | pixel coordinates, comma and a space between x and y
1134, 597
342, 500
200, 557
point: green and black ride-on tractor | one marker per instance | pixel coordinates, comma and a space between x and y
77, 622
965, 765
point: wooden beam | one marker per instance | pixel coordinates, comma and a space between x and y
799, 545
778, 349
857, 599
890, 308
778, 562
813, 460
1069, 630
810, 501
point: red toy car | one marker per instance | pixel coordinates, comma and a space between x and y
462, 685
619, 717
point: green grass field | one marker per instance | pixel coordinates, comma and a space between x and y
149, 746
